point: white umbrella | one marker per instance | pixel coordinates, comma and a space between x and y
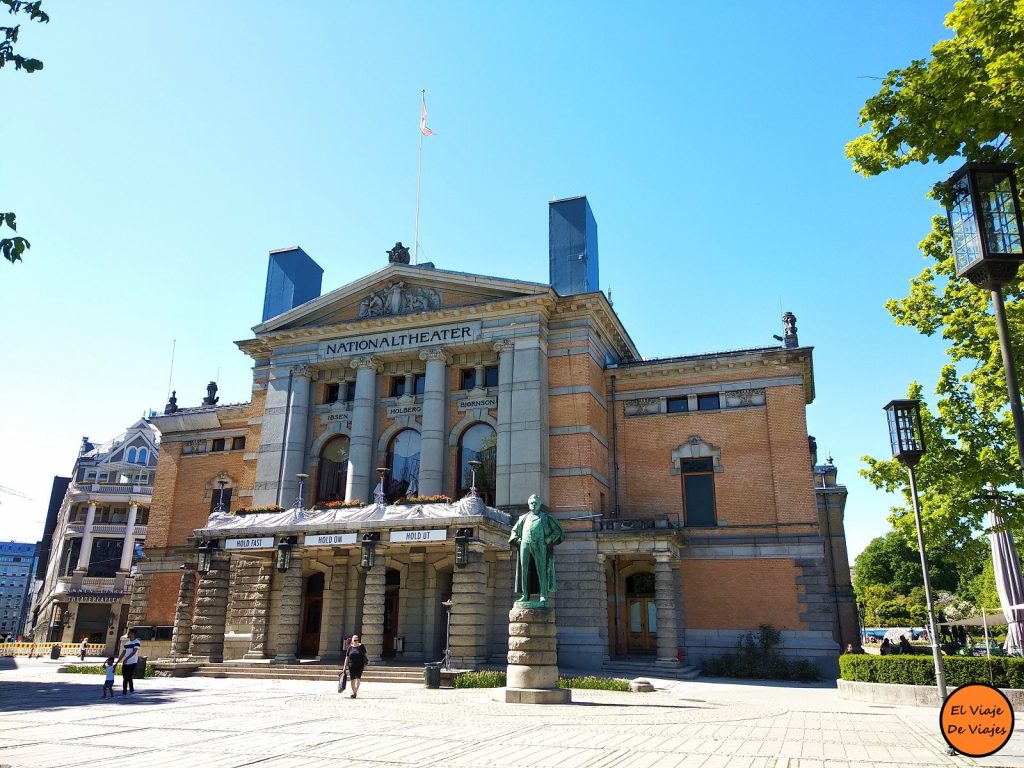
1009, 583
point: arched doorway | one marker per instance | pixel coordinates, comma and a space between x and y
392, 584
312, 610
641, 614
333, 470
403, 465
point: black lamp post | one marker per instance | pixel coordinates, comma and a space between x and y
284, 553
907, 439
204, 552
985, 226
462, 537
369, 544
300, 499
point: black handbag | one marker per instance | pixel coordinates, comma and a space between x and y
342, 682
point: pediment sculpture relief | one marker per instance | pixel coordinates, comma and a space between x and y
398, 299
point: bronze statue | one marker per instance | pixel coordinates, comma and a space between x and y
536, 533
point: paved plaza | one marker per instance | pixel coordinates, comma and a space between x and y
51, 719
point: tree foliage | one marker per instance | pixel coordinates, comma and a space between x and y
966, 100
13, 247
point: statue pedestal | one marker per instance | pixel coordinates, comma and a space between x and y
532, 658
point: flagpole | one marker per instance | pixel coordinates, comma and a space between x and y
419, 176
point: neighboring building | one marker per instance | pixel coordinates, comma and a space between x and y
99, 532
684, 484
831, 498
17, 566
58, 489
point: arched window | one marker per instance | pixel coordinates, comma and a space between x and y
333, 470
404, 465
143, 455
478, 443
131, 455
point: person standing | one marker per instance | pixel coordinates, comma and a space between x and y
128, 659
108, 677
83, 648
355, 662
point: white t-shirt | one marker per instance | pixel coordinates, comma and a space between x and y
131, 652
110, 671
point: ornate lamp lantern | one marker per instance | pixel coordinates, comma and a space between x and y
369, 544
905, 434
462, 538
284, 553
985, 226
985, 223
907, 439
204, 552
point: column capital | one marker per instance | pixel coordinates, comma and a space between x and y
663, 558
436, 353
505, 345
305, 371
368, 361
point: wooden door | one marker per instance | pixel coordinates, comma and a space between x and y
312, 612
641, 614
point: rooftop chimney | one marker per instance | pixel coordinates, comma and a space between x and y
572, 246
293, 278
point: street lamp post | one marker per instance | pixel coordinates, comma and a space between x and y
300, 499
985, 227
219, 509
907, 439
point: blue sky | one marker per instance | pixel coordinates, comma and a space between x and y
166, 148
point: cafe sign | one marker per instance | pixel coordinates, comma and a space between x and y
417, 537
264, 542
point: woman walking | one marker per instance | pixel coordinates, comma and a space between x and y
355, 662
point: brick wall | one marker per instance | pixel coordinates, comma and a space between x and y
741, 594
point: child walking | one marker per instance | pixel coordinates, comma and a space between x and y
108, 681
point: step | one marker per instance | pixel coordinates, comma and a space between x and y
632, 669
264, 671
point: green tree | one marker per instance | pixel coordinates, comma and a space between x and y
13, 247
966, 100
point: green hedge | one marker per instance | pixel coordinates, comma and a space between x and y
593, 683
94, 669
494, 679
1001, 671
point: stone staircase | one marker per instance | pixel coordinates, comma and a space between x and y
632, 668
375, 673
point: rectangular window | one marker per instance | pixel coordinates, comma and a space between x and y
237, 443
678, 404
421, 383
218, 444
225, 500
397, 386
71, 550
491, 376
468, 378
699, 491
709, 402
331, 392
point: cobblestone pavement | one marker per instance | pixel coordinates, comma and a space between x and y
49, 720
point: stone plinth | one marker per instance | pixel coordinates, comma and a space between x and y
532, 658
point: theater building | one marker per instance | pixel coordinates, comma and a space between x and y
399, 424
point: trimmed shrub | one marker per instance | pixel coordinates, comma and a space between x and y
89, 669
757, 657
592, 683
482, 678
1000, 671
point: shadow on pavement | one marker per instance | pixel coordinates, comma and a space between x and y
824, 684
22, 696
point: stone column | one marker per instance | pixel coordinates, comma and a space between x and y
665, 606
286, 640
295, 435
528, 421
128, 548
373, 611
210, 614
432, 442
360, 448
261, 580
470, 610
503, 448
266, 490
532, 672
332, 619
86, 551
502, 596
603, 626
181, 637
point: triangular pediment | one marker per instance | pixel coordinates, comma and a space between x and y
399, 290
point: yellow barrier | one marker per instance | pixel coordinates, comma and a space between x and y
43, 649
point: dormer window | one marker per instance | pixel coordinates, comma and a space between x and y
132, 456
143, 455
